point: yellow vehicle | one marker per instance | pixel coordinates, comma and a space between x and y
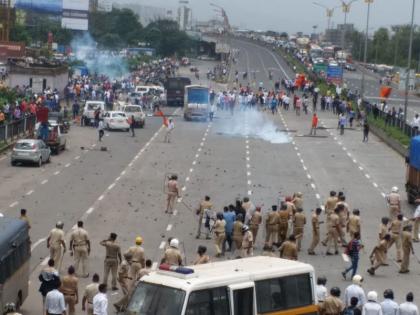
15, 253
248, 286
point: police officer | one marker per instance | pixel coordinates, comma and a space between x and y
237, 231
272, 227
283, 224
125, 281
255, 222
112, 259
354, 223
80, 248
407, 248
394, 203
56, 244
329, 206
90, 291
379, 254
396, 232
299, 222
315, 230
203, 206
332, 304
288, 250
247, 242
10, 309
172, 194
219, 233
172, 254
137, 258
298, 200
334, 232
383, 228
69, 288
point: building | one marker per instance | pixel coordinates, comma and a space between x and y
184, 17
104, 5
38, 76
147, 14
335, 36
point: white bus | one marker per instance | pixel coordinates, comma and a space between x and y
196, 102
15, 253
249, 286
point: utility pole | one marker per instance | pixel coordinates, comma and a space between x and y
362, 89
410, 48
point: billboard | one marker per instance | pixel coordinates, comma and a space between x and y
75, 14
335, 74
11, 50
47, 6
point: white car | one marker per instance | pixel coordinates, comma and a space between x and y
116, 120
137, 112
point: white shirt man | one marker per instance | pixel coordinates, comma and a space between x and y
372, 307
408, 307
357, 291
416, 121
54, 303
321, 292
100, 301
390, 307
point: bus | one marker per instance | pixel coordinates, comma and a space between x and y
196, 102
15, 253
175, 90
248, 286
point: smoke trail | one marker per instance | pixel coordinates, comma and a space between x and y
254, 124
98, 61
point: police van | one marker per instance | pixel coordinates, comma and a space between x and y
248, 286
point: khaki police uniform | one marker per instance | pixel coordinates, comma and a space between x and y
315, 233
330, 205
219, 235
113, 251
138, 260
56, 238
298, 202
331, 306
396, 231
333, 232
379, 254
407, 245
353, 225
201, 209
283, 226
126, 282
254, 224
394, 200
90, 291
69, 284
172, 256
247, 244
298, 228
172, 193
291, 208
288, 250
273, 221
237, 234
79, 239
383, 230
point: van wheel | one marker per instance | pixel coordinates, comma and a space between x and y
13, 163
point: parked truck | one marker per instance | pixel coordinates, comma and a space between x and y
413, 170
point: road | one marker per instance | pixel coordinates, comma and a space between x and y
121, 190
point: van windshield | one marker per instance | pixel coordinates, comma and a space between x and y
93, 106
133, 109
153, 299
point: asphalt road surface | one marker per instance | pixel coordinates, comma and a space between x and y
121, 190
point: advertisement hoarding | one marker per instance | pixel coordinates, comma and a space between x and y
11, 50
75, 14
335, 74
47, 6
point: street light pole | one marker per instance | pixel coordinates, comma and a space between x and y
362, 89
407, 79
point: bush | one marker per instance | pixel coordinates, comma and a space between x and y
392, 131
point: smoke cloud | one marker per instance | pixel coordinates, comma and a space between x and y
253, 123
101, 62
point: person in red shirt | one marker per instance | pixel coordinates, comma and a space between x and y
314, 124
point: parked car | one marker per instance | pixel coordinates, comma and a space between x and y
57, 140
116, 120
30, 151
58, 118
137, 112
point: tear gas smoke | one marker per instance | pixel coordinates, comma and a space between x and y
255, 125
101, 62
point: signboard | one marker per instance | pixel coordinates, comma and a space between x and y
75, 15
320, 67
335, 74
11, 50
47, 6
